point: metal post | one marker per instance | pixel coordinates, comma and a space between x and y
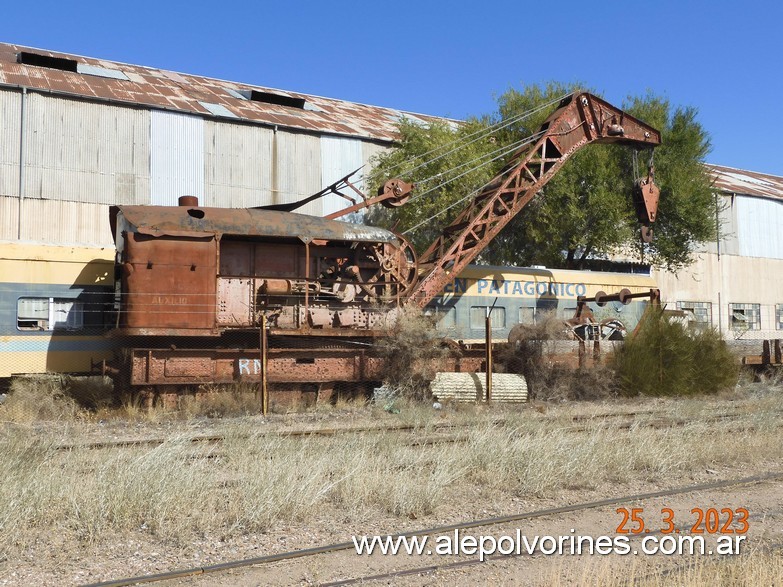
263, 351
307, 275
488, 344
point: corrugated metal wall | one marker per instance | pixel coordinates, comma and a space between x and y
238, 165
63, 222
727, 216
760, 227
297, 169
10, 116
176, 157
9, 217
369, 151
339, 157
99, 154
85, 152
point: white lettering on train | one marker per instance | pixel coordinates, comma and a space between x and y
245, 366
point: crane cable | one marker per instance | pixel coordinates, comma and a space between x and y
465, 198
498, 154
462, 142
482, 133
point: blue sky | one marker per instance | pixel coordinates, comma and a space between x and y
454, 58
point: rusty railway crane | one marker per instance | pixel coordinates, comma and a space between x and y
194, 284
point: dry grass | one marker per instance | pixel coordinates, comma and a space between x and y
749, 570
55, 398
412, 351
253, 481
37, 399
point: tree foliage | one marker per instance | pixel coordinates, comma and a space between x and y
585, 211
665, 358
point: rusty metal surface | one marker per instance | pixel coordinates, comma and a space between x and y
197, 271
184, 221
579, 120
181, 92
200, 366
741, 181
169, 284
191, 367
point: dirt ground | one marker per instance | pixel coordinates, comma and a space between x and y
54, 558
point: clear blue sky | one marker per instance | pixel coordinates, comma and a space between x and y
453, 58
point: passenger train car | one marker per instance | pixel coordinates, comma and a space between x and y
524, 295
55, 306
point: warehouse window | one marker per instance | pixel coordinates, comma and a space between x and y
39, 60
49, 314
270, 98
745, 316
779, 316
479, 313
699, 314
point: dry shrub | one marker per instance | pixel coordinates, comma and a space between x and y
563, 383
33, 399
219, 401
665, 358
412, 351
531, 352
91, 392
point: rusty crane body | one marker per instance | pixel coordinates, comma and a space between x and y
194, 283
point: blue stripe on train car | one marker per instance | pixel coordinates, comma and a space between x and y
463, 317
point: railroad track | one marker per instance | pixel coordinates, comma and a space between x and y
344, 546
326, 432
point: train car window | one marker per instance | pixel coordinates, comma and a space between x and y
446, 318
568, 312
32, 314
779, 316
699, 314
745, 316
479, 313
527, 315
49, 314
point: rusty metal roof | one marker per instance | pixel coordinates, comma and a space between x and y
198, 221
99, 79
742, 181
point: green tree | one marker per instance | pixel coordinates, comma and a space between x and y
584, 212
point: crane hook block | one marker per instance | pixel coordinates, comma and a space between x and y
645, 200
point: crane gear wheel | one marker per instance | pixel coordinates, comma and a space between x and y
386, 271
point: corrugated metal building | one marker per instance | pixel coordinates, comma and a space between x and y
736, 283
78, 134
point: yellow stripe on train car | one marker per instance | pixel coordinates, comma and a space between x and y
39, 353
44, 264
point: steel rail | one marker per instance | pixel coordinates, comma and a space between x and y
283, 433
215, 438
295, 554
